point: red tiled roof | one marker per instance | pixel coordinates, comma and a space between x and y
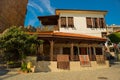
69, 35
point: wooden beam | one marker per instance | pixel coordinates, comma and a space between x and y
90, 54
51, 50
41, 49
71, 51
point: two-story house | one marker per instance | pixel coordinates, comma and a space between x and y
72, 40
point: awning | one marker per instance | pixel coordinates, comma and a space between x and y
49, 20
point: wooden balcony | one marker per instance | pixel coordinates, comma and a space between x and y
48, 28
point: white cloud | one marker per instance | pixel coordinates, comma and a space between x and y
41, 6
47, 5
36, 6
33, 20
33, 12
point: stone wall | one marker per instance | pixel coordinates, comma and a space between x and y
51, 66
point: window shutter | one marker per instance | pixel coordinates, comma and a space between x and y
102, 23
63, 21
98, 26
95, 22
89, 22
70, 22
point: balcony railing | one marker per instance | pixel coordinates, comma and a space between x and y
75, 58
47, 58
47, 28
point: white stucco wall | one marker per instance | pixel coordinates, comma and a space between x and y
80, 25
51, 66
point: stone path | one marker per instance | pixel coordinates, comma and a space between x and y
112, 73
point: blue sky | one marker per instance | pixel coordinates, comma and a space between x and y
47, 7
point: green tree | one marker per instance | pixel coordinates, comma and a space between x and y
15, 39
114, 37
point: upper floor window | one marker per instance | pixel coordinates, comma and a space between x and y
67, 22
70, 22
63, 21
89, 22
95, 22
102, 23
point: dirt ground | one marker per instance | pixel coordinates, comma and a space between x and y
112, 73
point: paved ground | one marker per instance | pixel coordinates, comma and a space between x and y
112, 73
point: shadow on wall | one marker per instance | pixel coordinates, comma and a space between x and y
43, 66
40, 64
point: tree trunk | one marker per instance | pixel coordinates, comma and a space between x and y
12, 12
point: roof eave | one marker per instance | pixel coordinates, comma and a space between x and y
104, 12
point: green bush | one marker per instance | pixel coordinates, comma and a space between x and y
24, 67
13, 64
